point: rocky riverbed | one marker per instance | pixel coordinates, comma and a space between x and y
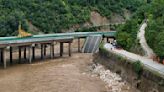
114, 83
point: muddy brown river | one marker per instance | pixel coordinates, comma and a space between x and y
68, 74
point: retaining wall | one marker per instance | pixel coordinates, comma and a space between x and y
134, 73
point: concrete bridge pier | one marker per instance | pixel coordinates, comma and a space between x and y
30, 54
69, 49
62, 48
52, 54
11, 55
110, 39
45, 49
20, 53
79, 49
3, 56
25, 52
25, 49
20, 48
42, 55
33, 52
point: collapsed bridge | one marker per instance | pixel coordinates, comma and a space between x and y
29, 43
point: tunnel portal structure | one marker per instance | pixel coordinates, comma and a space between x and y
28, 44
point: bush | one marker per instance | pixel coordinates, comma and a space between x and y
137, 67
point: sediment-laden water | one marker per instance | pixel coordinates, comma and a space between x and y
67, 74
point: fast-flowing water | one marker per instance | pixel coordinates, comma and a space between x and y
67, 74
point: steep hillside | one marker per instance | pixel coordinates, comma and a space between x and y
54, 15
154, 12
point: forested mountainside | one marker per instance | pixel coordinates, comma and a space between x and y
154, 12
53, 15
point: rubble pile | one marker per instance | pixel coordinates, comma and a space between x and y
114, 81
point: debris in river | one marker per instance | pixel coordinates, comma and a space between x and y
114, 81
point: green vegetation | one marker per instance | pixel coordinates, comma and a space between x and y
103, 50
53, 15
137, 67
155, 30
154, 12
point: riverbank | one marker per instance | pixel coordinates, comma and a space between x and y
132, 68
67, 74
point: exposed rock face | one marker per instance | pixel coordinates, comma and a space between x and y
98, 20
77, 26
33, 28
116, 19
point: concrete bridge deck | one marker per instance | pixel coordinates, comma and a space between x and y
7, 43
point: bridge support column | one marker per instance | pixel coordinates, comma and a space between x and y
25, 53
42, 56
20, 54
107, 39
79, 50
11, 55
30, 54
45, 50
69, 49
61, 49
52, 50
33, 52
103, 38
3, 57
